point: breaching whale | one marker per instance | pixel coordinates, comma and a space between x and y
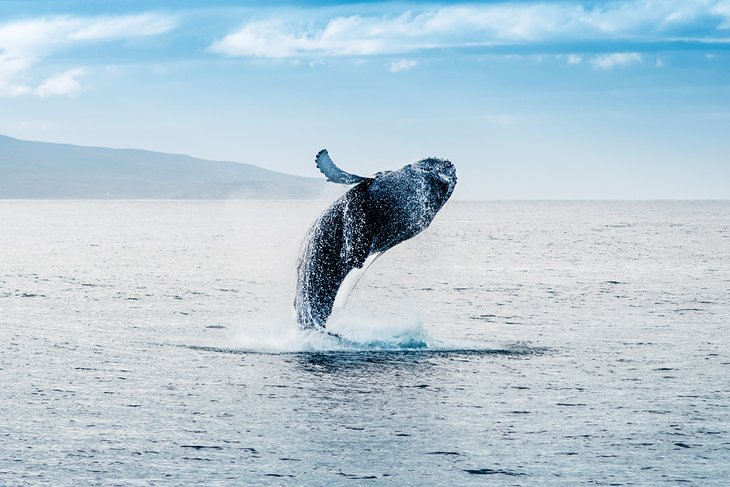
376, 214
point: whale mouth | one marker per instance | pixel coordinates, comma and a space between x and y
440, 168
447, 174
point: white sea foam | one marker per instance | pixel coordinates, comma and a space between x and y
347, 331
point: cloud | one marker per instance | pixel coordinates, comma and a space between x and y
61, 84
25, 43
722, 10
402, 65
10, 68
609, 61
275, 39
470, 25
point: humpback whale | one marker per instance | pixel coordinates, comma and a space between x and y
376, 214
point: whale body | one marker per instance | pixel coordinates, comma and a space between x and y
376, 214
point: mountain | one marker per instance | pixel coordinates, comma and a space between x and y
45, 170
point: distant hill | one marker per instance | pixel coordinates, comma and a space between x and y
59, 171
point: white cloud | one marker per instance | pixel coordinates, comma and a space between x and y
574, 59
123, 27
402, 65
609, 61
277, 40
10, 68
61, 84
478, 25
722, 9
25, 43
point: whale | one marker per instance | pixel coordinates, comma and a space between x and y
374, 215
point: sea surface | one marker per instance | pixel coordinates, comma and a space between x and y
512, 343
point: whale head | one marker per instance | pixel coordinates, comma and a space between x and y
405, 201
439, 179
419, 189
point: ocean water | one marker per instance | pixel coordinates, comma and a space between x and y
512, 343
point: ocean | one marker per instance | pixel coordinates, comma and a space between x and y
511, 343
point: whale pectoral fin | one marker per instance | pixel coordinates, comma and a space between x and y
335, 174
358, 234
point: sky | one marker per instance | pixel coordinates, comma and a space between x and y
530, 100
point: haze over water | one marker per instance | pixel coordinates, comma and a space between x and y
512, 343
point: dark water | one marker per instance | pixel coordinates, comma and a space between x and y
151, 343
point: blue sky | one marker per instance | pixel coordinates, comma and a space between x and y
530, 100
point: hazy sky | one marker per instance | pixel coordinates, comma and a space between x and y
530, 100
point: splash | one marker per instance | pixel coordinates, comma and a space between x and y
364, 333
345, 333
353, 333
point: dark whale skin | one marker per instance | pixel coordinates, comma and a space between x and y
372, 217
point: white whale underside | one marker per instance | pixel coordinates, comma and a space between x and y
351, 280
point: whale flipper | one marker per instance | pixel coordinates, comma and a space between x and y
335, 174
340, 240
